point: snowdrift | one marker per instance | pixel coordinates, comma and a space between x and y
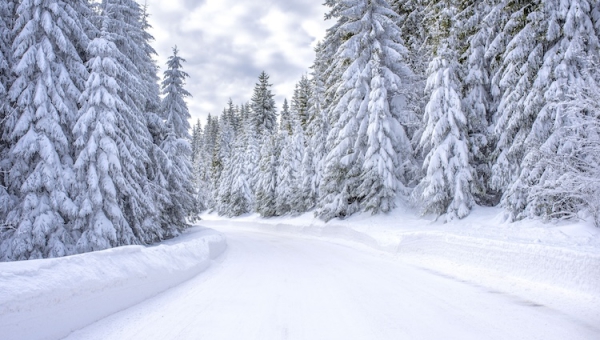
57, 296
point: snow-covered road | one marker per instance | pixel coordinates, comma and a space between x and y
273, 286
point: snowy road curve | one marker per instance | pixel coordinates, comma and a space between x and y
270, 286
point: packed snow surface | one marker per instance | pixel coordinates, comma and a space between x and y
271, 286
383, 277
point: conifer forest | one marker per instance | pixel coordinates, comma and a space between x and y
435, 105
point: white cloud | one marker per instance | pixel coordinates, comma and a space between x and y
228, 43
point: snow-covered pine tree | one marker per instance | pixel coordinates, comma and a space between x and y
217, 163
147, 64
289, 180
266, 184
371, 54
386, 140
213, 164
225, 137
326, 61
6, 40
234, 196
447, 186
511, 84
300, 100
232, 114
196, 142
316, 135
569, 184
285, 118
264, 116
100, 220
173, 106
259, 119
477, 101
203, 169
7, 19
221, 152
571, 46
200, 173
50, 74
138, 90
177, 147
411, 22
411, 19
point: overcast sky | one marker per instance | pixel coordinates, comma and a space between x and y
227, 43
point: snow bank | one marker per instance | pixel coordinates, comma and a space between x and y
57, 296
480, 248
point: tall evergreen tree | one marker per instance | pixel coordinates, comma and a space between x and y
447, 186
316, 136
478, 28
102, 185
177, 147
7, 20
264, 116
200, 168
289, 175
521, 61
571, 43
146, 195
234, 196
50, 73
266, 184
372, 58
300, 100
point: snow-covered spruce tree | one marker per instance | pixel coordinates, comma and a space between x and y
511, 85
326, 61
146, 195
7, 20
225, 138
386, 139
569, 183
102, 185
411, 22
264, 116
285, 119
477, 101
50, 73
196, 142
147, 64
289, 180
413, 30
266, 184
571, 46
316, 136
302, 94
447, 186
259, 122
234, 196
372, 55
223, 151
200, 174
232, 114
177, 147
209, 139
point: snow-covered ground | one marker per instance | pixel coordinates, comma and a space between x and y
369, 277
562, 254
276, 286
48, 299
